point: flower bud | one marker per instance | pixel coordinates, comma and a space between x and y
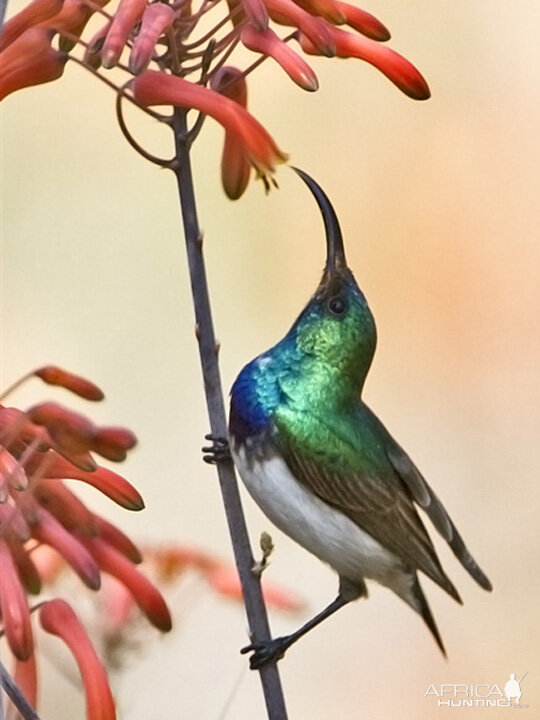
268, 43
53, 375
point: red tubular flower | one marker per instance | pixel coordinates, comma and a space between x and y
25, 675
28, 572
364, 22
53, 375
282, 599
116, 538
47, 529
127, 15
256, 13
156, 19
286, 12
12, 475
235, 167
70, 430
230, 81
92, 54
74, 436
13, 523
111, 484
64, 505
328, 9
171, 560
158, 88
29, 60
144, 593
268, 43
224, 580
113, 443
17, 432
35, 12
14, 607
396, 68
57, 618
71, 21
63, 426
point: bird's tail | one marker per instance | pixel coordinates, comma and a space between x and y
417, 600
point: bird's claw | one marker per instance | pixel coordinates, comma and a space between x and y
219, 451
265, 651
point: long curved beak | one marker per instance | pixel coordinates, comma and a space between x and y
335, 252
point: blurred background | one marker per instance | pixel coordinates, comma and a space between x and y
439, 204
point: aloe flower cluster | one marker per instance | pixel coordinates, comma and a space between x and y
41, 449
46, 530
183, 53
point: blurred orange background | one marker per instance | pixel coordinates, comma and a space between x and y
439, 204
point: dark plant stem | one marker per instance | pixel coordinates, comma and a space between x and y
3, 8
14, 693
251, 588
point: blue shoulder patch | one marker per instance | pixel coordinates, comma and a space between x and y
256, 392
248, 415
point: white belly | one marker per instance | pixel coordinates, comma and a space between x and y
324, 531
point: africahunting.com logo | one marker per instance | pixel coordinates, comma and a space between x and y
484, 695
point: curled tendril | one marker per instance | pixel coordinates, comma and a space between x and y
164, 163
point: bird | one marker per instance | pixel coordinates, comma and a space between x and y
321, 465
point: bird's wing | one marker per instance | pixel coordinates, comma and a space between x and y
430, 503
369, 493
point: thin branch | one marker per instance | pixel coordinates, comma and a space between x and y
251, 588
31, 609
194, 131
14, 693
79, 41
3, 8
213, 31
199, 122
14, 386
227, 51
207, 58
206, 5
218, 47
96, 7
173, 51
233, 693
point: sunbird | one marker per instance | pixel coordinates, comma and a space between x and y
322, 466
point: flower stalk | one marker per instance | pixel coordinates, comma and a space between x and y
39, 515
12, 690
208, 350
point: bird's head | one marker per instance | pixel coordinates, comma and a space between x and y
336, 326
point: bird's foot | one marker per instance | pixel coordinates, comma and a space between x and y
218, 451
266, 651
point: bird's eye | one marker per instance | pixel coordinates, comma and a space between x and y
337, 305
